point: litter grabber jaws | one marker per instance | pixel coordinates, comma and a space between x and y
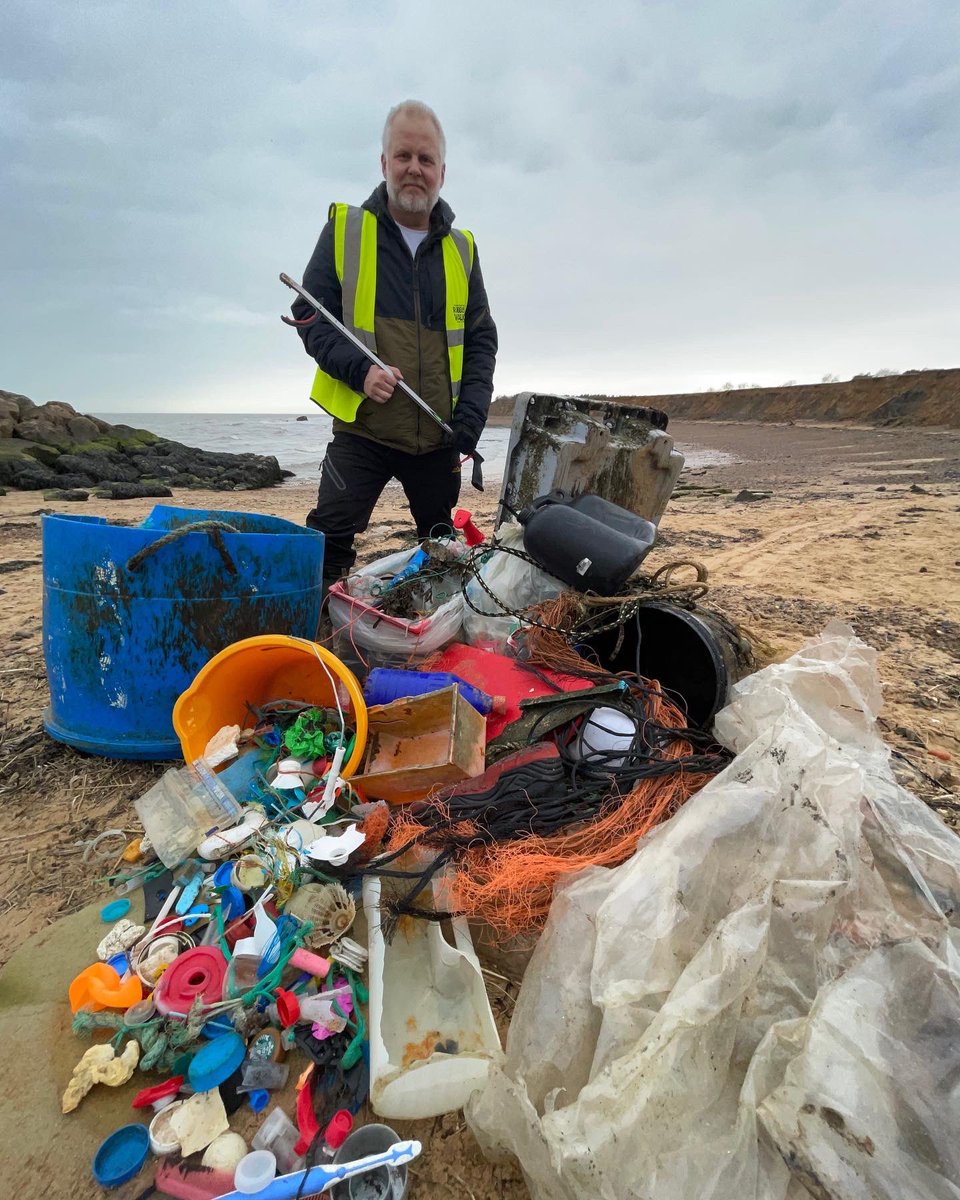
477, 475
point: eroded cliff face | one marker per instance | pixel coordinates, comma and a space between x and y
914, 398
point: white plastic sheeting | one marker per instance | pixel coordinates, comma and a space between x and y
764, 1002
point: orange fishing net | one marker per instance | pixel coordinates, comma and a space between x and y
510, 884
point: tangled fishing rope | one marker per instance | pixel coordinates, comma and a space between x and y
507, 847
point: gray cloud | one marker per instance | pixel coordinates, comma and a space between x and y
665, 195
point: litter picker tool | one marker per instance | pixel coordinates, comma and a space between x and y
477, 475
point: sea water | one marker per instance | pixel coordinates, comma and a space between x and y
299, 445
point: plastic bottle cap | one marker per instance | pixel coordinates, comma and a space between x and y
115, 910
338, 1129
258, 1099
216, 1062
288, 1007
121, 1155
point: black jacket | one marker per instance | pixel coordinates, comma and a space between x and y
410, 331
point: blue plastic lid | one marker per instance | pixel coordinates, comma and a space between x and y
115, 909
258, 1099
216, 1061
121, 1156
120, 963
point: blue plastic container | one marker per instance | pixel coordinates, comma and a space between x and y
122, 639
384, 684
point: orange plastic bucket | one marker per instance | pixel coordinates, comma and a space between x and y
258, 669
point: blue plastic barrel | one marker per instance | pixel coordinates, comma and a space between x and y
125, 632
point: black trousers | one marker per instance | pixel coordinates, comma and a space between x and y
355, 472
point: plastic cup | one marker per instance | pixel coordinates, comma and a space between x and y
382, 1183
254, 1171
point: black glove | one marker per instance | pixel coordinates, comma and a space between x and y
463, 440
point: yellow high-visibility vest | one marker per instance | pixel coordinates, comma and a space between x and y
355, 255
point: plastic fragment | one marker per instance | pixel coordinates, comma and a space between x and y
199, 1121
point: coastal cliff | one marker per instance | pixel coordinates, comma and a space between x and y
923, 398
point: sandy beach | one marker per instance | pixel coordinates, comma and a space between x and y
810, 524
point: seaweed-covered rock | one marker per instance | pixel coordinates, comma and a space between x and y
132, 491
52, 446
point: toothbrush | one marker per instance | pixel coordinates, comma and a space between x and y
317, 1179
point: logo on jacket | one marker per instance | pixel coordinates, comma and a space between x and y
459, 312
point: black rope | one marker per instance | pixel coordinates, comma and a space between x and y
216, 530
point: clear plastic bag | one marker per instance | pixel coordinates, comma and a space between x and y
514, 582
763, 1003
357, 622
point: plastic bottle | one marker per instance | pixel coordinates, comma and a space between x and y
384, 684
181, 808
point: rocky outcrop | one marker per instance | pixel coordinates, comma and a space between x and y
51, 446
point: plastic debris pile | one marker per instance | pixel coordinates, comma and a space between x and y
307, 877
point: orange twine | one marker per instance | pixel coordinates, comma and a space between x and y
510, 884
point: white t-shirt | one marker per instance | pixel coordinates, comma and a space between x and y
413, 237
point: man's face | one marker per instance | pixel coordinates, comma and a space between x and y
412, 166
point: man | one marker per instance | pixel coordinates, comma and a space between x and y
409, 285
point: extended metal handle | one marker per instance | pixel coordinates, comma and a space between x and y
370, 354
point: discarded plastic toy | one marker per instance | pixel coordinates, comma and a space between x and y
100, 1064
328, 908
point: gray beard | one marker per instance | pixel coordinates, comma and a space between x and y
412, 204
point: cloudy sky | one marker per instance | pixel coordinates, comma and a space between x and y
667, 195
